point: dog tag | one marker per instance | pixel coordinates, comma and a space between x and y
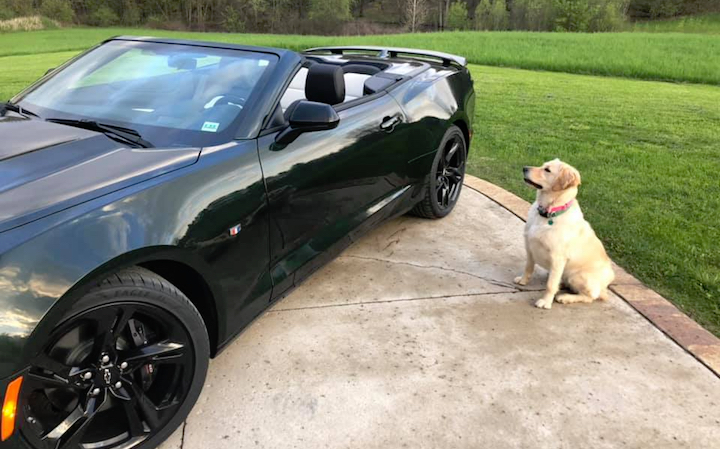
550, 222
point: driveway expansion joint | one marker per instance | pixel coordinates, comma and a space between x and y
182, 435
437, 267
386, 301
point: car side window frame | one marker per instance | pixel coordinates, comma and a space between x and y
266, 128
270, 126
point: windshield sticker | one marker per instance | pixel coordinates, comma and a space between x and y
263, 62
210, 127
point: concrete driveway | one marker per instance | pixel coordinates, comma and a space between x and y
416, 337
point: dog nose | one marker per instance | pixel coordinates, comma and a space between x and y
525, 169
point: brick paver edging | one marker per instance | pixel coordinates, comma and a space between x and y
703, 345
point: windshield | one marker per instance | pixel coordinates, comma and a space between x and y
174, 95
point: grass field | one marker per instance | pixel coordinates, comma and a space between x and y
653, 56
649, 151
649, 155
705, 24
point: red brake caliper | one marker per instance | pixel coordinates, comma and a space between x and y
137, 330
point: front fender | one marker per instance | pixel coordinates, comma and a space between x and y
40, 279
182, 216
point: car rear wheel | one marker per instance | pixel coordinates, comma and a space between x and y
122, 369
444, 183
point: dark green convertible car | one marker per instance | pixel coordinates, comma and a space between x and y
157, 195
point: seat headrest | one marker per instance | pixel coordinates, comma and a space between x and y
325, 84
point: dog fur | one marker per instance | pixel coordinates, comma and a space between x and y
569, 248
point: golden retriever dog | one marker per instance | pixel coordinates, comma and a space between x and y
558, 238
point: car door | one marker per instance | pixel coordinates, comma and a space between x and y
325, 183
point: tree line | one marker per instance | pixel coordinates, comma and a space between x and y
356, 16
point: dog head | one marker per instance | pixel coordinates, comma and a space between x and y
554, 175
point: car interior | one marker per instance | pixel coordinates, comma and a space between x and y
336, 84
212, 90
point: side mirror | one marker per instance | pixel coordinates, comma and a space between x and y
308, 116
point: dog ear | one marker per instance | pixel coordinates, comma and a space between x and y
568, 177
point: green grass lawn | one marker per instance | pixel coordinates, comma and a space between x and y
655, 56
649, 152
649, 155
705, 24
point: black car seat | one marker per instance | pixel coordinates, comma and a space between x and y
324, 84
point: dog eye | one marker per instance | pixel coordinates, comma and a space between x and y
547, 169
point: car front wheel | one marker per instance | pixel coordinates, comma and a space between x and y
122, 369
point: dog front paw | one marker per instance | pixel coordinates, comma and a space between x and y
543, 303
520, 280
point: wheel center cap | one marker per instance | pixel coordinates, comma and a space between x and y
107, 376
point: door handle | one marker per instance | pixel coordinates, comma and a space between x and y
388, 124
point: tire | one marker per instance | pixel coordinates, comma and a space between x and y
447, 174
132, 356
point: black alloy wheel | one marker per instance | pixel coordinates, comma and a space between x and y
446, 177
121, 371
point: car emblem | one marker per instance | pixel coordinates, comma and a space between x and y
107, 376
235, 230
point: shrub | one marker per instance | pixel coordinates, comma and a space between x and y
457, 18
49, 24
233, 21
59, 10
328, 10
572, 15
534, 15
499, 15
482, 15
104, 16
607, 17
664, 8
15, 8
131, 14
30, 23
154, 21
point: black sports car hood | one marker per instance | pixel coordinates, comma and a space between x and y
46, 167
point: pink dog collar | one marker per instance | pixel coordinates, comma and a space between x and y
554, 211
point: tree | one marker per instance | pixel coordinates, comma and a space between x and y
103, 17
59, 10
499, 15
15, 8
482, 15
534, 15
131, 14
664, 8
457, 18
608, 15
330, 9
233, 21
572, 15
415, 13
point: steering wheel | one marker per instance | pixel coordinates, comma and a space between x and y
232, 100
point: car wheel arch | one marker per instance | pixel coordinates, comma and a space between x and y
193, 285
171, 263
462, 124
